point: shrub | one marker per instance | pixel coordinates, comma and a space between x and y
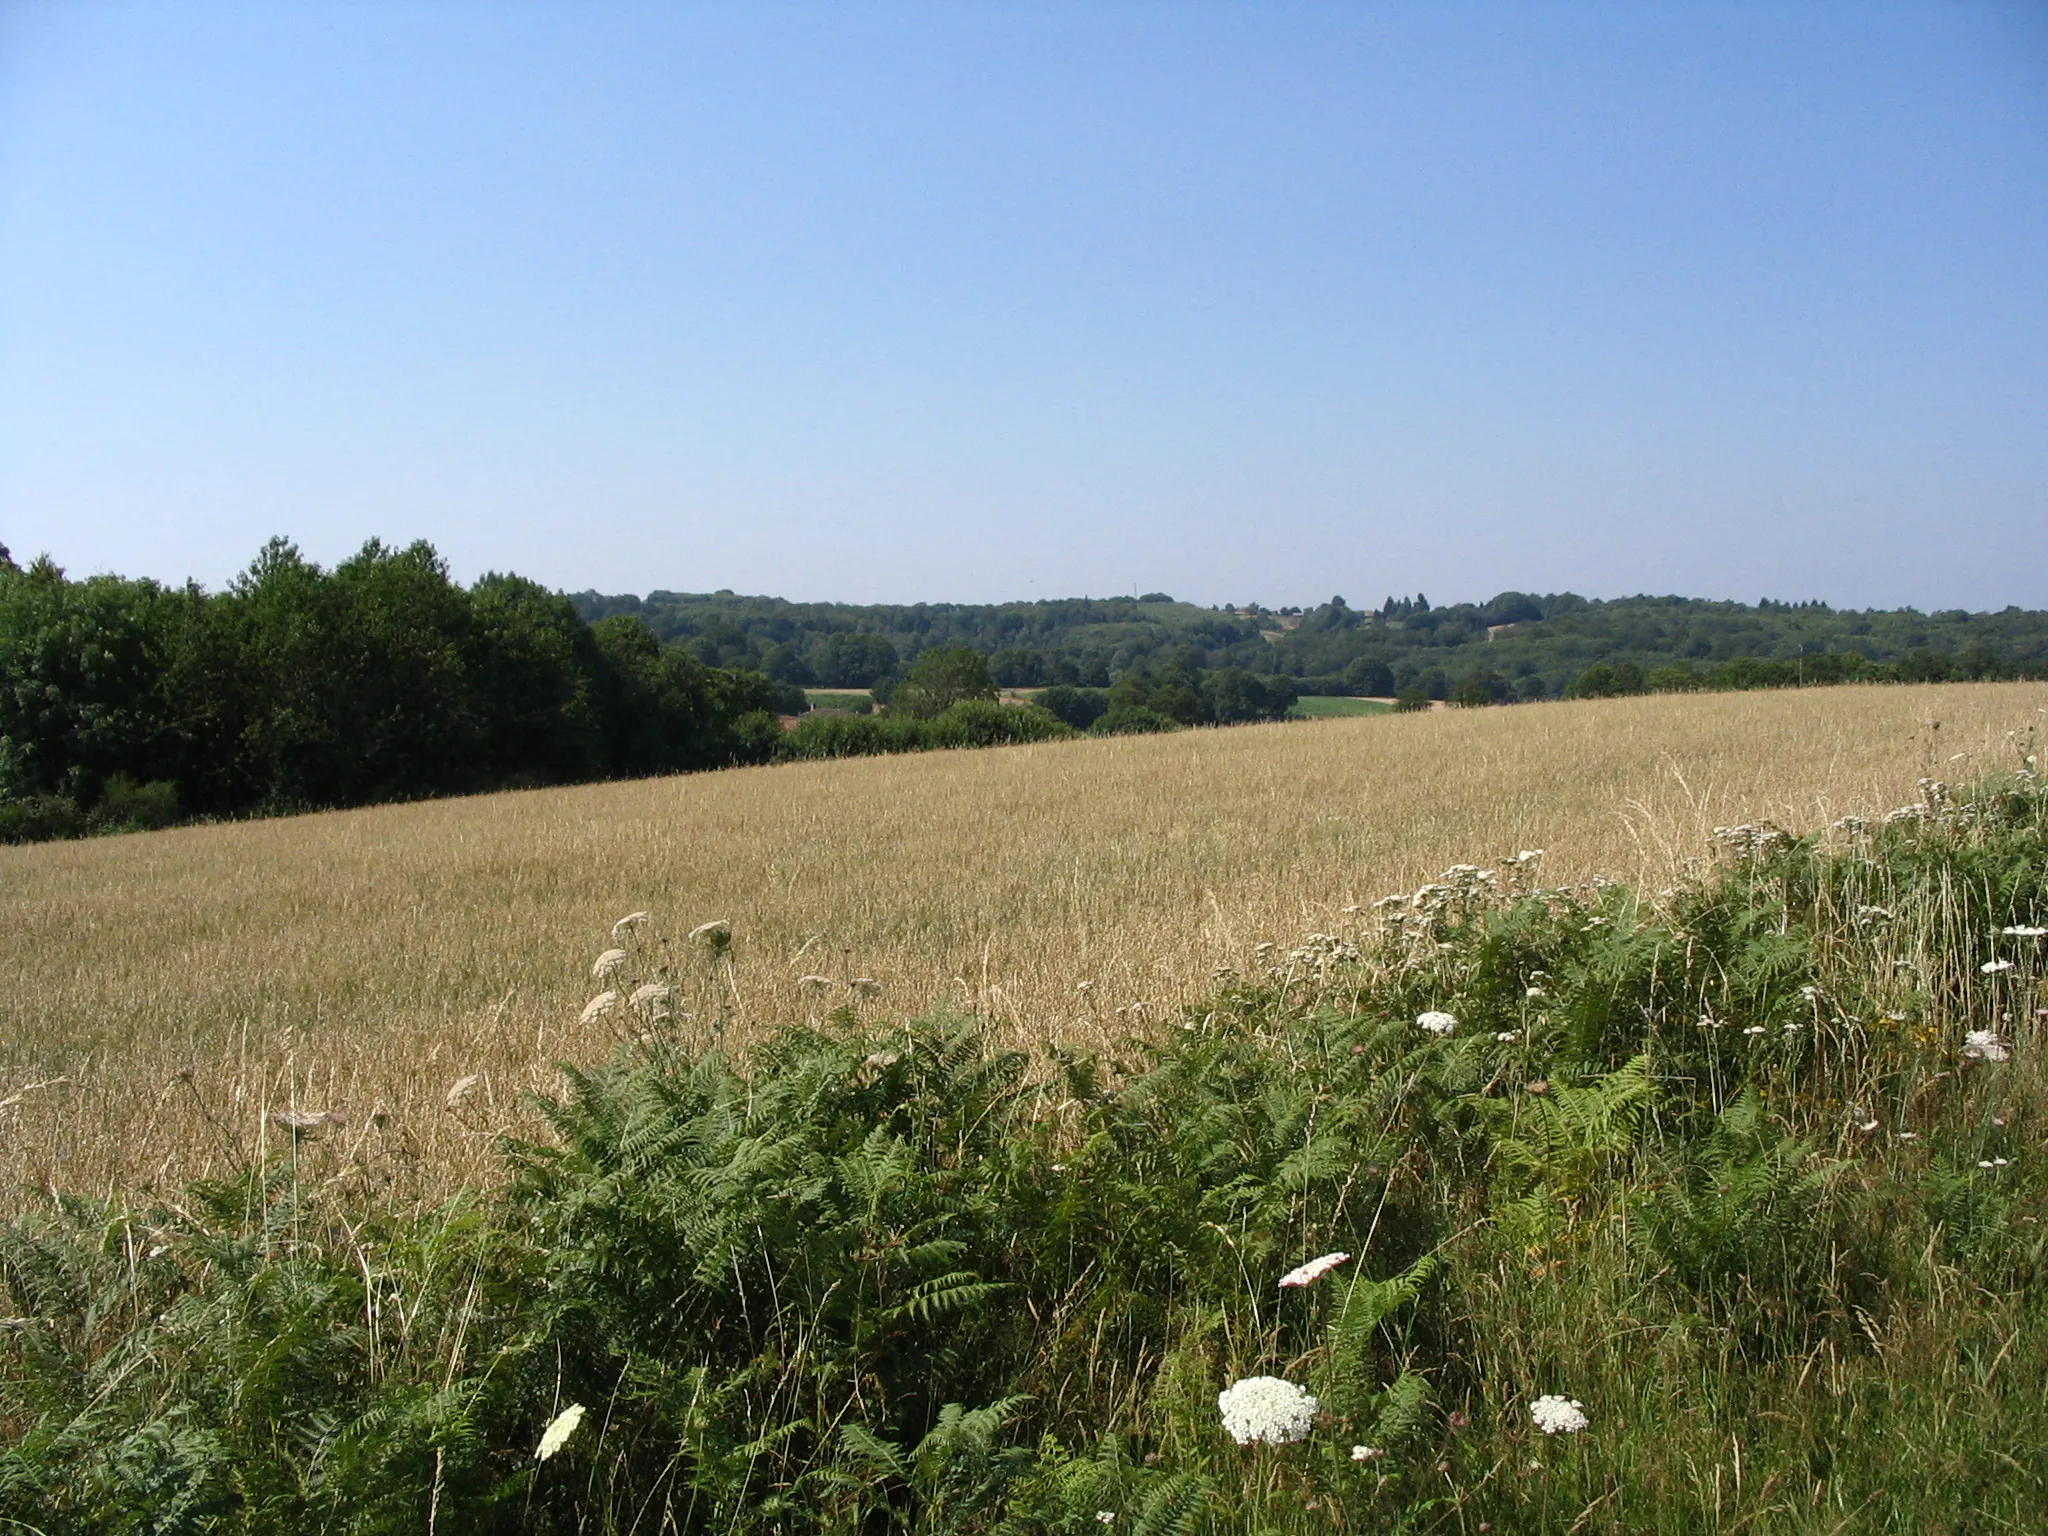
1132, 720
1079, 707
978, 723
39, 818
128, 806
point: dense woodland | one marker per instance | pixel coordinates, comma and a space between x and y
1517, 646
129, 702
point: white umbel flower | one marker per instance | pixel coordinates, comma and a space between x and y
1265, 1410
1436, 1022
717, 933
1366, 1453
1556, 1415
1312, 1271
602, 967
647, 994
1986, 1045
1993, 967
629, 922
599, 1006
559, 1429
2024, 931
461, 1089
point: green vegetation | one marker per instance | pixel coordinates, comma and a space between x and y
1326, 707
1745, 1172
826, 698
940, 678
125, 703
968, 723
1516, 647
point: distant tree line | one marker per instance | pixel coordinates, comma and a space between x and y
132, 703
1517, 646
129, 703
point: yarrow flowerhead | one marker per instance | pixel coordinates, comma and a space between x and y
1265, 1410
1556, 1415
1436, 1022
1313, 1270
1366, 1453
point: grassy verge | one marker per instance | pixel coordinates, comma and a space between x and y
1331, 706
1744, 1180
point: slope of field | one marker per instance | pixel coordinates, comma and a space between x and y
166, 992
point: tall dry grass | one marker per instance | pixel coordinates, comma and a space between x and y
165, 994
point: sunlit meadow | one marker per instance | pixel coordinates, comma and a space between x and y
166, 992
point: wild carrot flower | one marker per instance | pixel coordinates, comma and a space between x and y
630, 921
648, 993
461, 1089
1313, 1270
1266, 1410
717, 933
599, 1006
1436, 1022
1993, 967
1986, 1045
559, 1429
602, 968
1556, 1415
2023, 931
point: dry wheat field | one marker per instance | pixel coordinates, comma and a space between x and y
165, 993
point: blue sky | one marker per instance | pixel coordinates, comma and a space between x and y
980, 301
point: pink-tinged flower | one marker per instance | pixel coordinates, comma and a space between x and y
1313, 1270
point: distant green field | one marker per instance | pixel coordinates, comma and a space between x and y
1327, 707
837, 698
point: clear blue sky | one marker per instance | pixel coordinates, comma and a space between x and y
977, 301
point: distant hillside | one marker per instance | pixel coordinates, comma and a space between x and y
1518, 646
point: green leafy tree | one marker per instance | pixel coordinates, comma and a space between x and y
1235, 696
79, 669
941, 678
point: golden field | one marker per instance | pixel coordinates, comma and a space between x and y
165, 992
